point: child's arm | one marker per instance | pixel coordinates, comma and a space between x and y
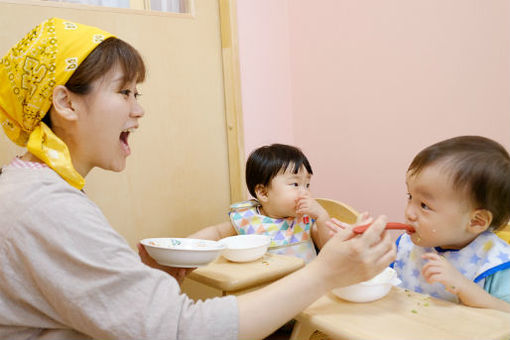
438, 269
215, 232
306, 205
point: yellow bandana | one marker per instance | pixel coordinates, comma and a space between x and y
44, 58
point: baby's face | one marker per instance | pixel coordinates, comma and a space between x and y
284, 190
440, 214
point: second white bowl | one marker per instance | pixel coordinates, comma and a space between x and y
245, 248
370, 290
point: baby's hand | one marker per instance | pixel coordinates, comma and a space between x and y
438, 269
306, 205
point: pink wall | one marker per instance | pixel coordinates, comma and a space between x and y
373, 82
265, 69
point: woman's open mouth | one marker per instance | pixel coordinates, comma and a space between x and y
124, 135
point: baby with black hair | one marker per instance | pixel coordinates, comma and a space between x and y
278, 177
458, 196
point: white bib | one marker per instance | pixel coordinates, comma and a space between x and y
484, 256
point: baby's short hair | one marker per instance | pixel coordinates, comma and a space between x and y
478, 165
266, 162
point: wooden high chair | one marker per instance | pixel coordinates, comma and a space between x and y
504, 233
339, 210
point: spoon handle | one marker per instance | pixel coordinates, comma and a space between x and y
390, 225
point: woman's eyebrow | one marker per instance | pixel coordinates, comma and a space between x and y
118, 78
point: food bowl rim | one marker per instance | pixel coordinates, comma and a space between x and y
265, 244
220, 246
375, 284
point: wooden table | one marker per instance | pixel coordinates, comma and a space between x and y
237, 278
401, 314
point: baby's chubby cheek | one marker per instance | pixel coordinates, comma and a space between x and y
416, 238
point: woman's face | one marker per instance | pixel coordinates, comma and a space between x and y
105, 118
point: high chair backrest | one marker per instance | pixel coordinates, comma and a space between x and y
339, 210
503, 233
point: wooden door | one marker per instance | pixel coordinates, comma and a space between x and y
178, 178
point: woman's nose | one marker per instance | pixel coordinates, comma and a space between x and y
137, 110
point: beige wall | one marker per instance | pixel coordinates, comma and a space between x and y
177, 179
373, 82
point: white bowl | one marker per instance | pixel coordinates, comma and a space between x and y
245, 248
182, 252
370, 290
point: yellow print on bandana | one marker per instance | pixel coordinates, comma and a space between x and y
70, 26
71, 64
34, 74
98, 38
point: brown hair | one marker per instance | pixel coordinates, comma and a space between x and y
478, 165
100, 61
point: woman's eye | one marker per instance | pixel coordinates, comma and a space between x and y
294, 184
137, 94
125, 92
409, 196
307, 185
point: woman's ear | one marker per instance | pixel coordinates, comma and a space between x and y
480, 221
63, 104
261, 192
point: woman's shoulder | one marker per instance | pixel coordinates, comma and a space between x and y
41, 197
35, 187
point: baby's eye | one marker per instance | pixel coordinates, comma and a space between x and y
294, 184
307, 185
409, 196
424, 206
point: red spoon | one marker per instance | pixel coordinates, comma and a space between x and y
390, 225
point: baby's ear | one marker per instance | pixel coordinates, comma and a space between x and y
261, 192
480, 221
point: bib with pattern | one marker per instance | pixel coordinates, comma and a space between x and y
484, 256
289, 236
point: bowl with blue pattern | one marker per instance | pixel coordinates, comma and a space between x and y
182, 252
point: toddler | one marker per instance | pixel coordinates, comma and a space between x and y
458, 195
278, 177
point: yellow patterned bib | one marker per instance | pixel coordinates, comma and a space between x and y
289, 236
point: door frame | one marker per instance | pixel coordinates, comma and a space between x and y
231, 77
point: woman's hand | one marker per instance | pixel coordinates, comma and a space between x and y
336, 225
344, 260
348, 258
178, 273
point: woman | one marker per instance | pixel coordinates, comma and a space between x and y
68, 93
